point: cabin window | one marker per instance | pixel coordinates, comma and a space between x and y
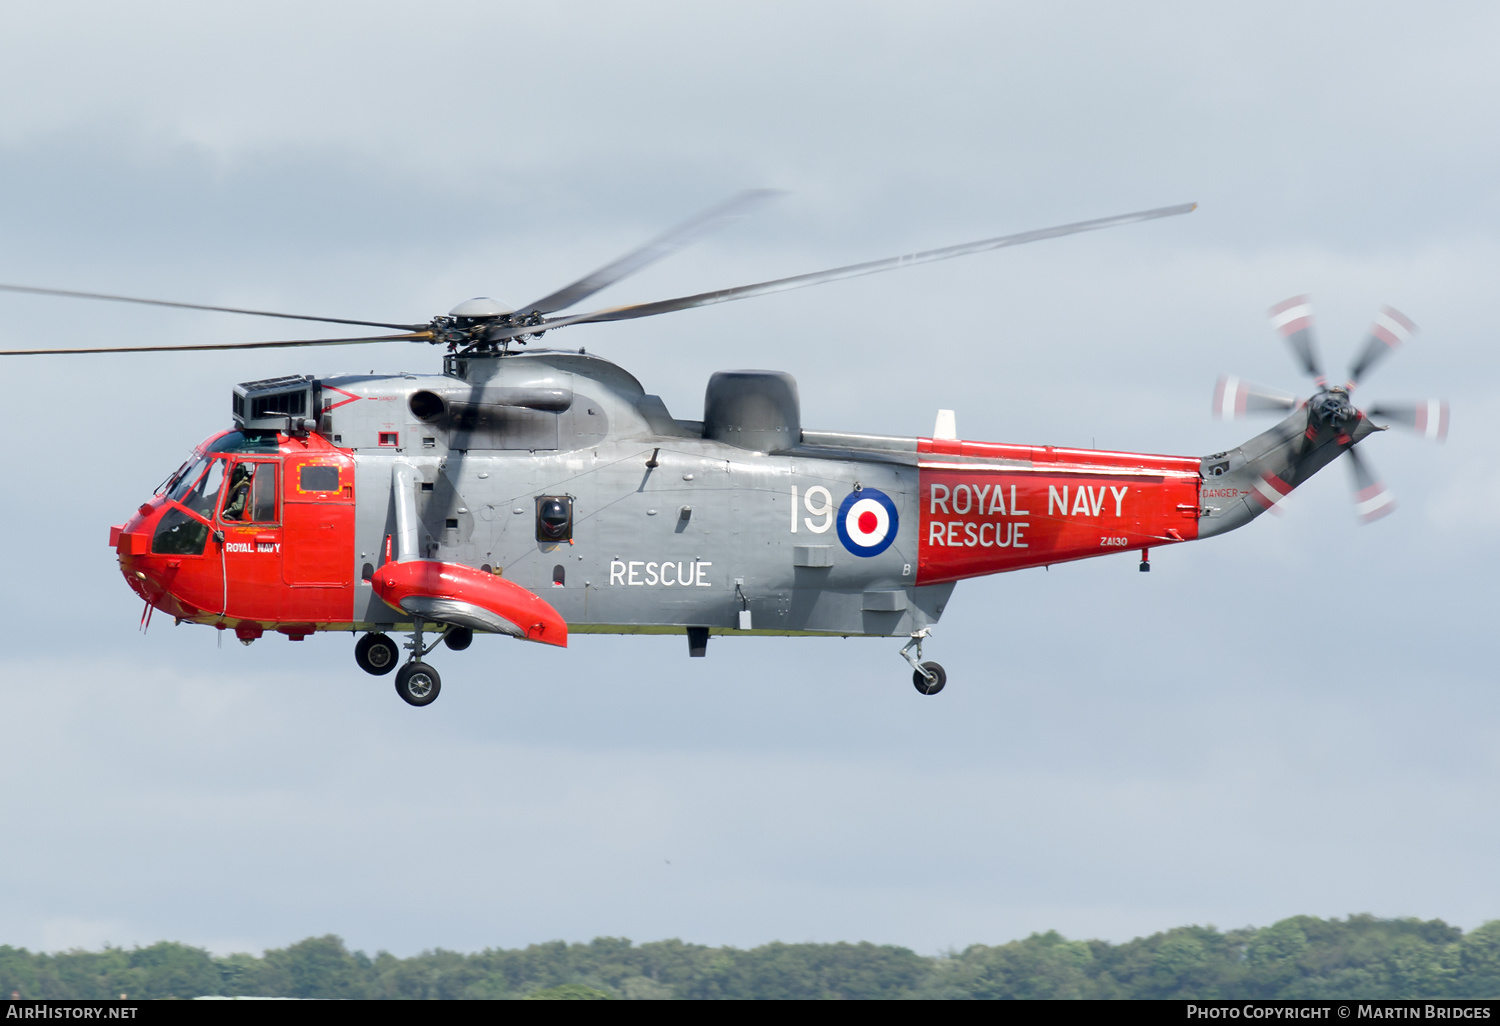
559, 576
315, 478
554, 518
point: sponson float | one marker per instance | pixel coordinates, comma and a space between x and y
543, 493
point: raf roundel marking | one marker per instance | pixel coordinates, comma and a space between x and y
867, 522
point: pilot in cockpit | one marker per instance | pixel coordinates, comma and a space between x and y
239, 492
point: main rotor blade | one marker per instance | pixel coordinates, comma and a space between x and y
623, 313
416, 336
1292, 319
1428, 418
1390, 330
1235, 397
72, 294
1372, 499
685, 234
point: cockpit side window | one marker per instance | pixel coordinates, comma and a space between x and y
251, 497
263, 495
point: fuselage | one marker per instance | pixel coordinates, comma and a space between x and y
670, 523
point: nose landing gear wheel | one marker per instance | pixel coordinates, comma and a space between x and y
376, 654
418, 684
930, 687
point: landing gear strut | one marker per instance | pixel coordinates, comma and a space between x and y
928, 678
416, 682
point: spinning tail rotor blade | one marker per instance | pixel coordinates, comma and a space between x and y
1372, 499
416, 336
1235, 397
108, 297
1428, 418
623, 313
1390, 330
663, 246
1292, 318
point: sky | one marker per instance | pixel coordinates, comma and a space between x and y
1297, 718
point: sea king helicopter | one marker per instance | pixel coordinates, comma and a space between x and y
539, 493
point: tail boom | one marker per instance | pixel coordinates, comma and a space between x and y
1242, 483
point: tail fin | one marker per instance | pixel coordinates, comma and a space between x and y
1241, 484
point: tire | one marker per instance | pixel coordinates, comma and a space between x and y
459, 638
418, 684
377, 654
921, 683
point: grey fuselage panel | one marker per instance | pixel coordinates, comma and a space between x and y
712, 530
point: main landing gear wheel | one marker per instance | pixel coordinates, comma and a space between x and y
376, 654
933, 686
418, 684
458, 638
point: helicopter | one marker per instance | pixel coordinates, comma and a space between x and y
539, 493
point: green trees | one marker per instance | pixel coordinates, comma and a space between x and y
1301, 957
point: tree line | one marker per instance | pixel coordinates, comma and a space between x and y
1301, 957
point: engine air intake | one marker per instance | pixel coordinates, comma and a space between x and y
753, 409
274, 404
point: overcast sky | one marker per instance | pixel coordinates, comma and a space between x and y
1300, 717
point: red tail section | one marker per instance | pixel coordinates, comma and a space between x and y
991, 507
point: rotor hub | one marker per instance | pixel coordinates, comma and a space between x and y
1332, 408
481, 308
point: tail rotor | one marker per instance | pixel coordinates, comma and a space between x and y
1372, 499
1391, 329
1292, 319
1235, 397
1428, 418
1331, 406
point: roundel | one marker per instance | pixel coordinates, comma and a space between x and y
867, 522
